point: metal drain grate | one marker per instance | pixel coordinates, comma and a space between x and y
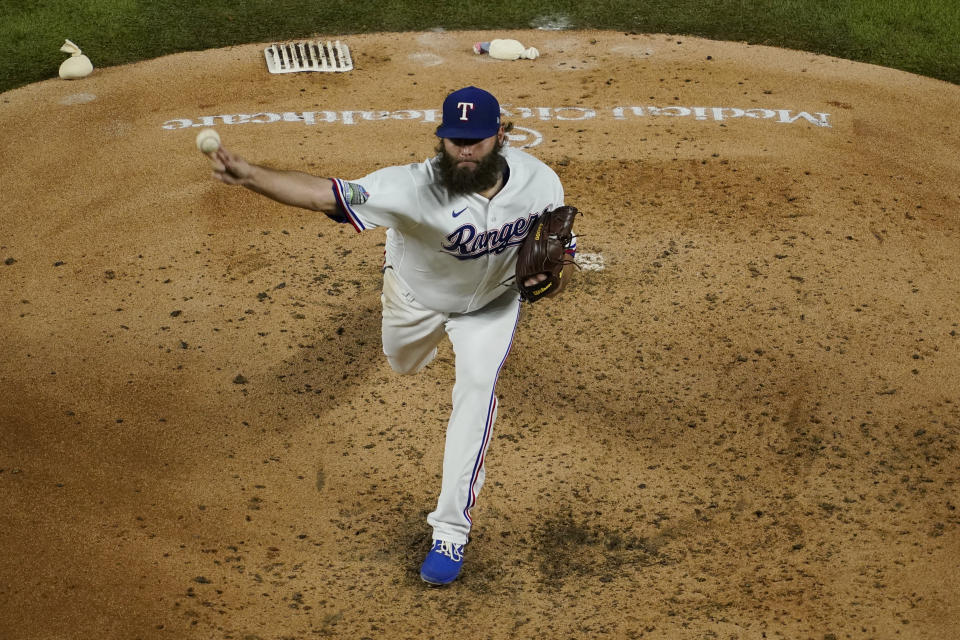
290, 57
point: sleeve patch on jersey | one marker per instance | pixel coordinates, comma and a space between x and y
354, 194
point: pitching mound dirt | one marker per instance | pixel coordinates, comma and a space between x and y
741, 422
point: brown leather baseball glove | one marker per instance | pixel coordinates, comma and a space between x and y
545, 251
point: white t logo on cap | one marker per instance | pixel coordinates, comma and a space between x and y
464, 106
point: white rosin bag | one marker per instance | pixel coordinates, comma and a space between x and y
506, 49
77, 65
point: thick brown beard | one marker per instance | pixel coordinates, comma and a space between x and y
459, 181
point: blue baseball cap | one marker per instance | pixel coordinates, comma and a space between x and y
470, 113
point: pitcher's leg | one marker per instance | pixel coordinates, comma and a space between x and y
410, 331
481, 342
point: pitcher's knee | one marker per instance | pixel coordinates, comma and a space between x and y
402, 367
476, 377
409, 366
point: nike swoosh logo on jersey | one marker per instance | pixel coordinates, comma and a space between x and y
457, 213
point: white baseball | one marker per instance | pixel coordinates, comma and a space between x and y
208, 140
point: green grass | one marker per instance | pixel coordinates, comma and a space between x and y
919, 36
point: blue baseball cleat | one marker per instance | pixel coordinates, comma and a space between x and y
442, 565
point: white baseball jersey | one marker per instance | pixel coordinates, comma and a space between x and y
453, 253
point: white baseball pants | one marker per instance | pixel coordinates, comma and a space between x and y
481, 341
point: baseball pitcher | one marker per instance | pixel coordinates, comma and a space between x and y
455, 225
